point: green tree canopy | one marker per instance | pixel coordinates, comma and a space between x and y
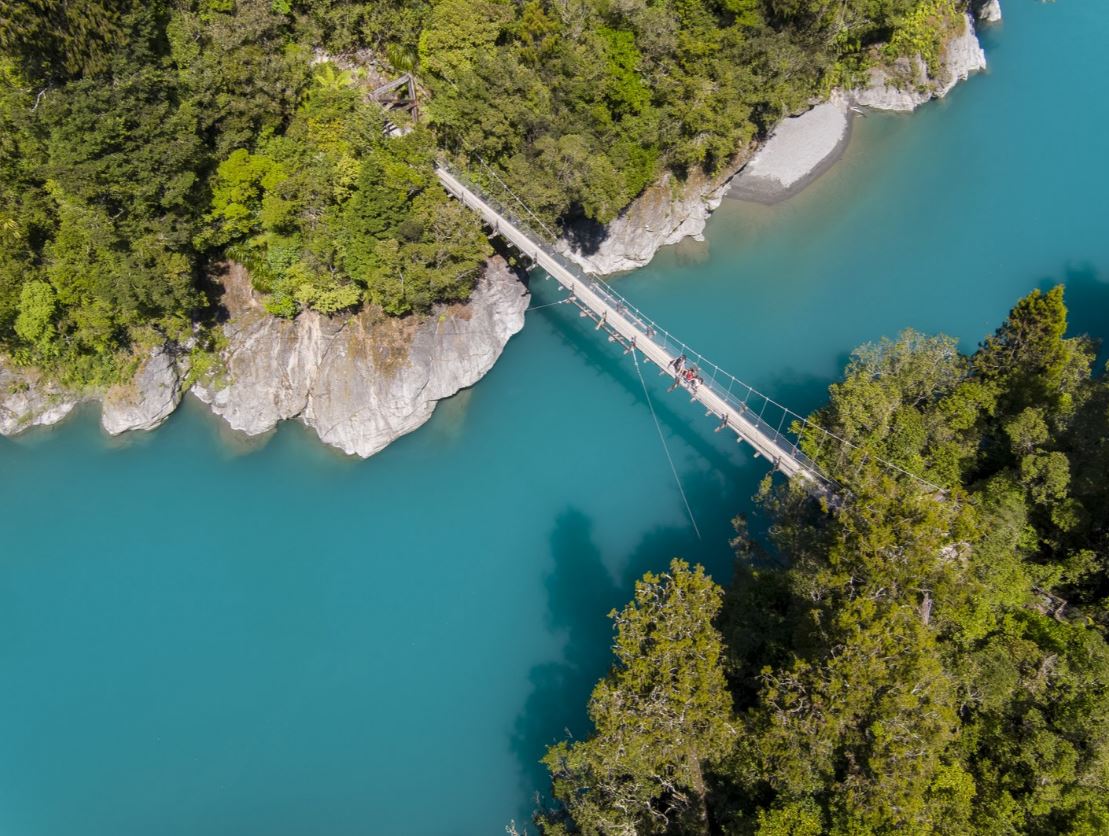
923, 662
660, 716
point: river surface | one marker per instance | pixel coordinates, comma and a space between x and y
205, 636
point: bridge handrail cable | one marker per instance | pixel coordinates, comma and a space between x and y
791, 427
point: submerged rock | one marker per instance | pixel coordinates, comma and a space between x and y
29, 399
906, 84
148, 400
364, 381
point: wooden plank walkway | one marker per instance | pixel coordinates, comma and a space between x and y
611, 314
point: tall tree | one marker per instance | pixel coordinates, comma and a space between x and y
59, 39
661, 716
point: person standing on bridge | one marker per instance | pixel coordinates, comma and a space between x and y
693, 378
677, 365
681, 379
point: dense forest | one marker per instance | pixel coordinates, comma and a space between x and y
898, 660
141, 143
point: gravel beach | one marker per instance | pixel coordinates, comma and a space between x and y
800, 150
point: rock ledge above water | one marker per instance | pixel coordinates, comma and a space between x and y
28, 399
360, 382
364, 381
906, 84
149, 399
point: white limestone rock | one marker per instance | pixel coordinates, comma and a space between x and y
148, 400
990, 11
964, 57
268, 363
363, 382
664, 214
363, 398
902, 87
28, 399
798, 150
906, 84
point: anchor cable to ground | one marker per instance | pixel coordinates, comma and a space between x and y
665, 446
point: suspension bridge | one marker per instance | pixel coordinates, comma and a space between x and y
774, 431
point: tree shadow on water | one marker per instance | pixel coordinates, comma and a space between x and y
1087, 297
581, 591
580, 594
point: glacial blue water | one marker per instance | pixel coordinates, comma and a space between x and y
202, 636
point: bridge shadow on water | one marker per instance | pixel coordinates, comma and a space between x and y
679, 418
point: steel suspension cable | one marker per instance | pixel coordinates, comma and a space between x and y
599, 283
665, 446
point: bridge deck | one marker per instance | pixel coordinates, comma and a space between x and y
636, 334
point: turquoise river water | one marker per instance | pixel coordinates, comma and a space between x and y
202, 636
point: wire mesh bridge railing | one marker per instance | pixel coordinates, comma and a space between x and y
788, 433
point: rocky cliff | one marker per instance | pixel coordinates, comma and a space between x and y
664, 214
28, 399
149, 399
907, 84
361, 382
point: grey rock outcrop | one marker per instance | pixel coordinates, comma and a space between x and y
664, 214
906, 84
148, 400
989, 11
362, 382
268, 361
28, 399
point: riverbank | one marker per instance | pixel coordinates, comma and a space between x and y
796, 153
359, 382
362, 381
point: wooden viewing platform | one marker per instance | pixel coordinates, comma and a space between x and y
735, 411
